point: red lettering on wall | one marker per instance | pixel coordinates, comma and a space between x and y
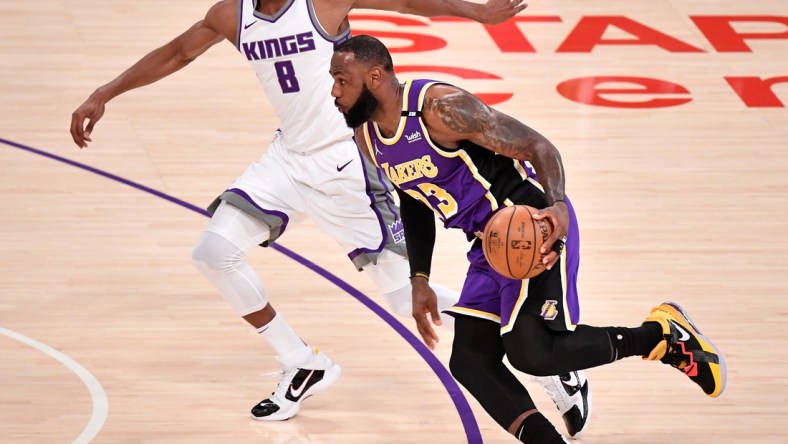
463, 73
589, 32
756, 92
507, 35
720, 33
588, 90
418, 42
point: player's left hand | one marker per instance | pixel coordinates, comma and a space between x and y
558, 216
425, 306
499, 11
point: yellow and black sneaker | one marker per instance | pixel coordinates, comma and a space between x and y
685, 348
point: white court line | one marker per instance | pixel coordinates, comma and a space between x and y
99, 397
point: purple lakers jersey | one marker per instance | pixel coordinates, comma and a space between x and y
463, 186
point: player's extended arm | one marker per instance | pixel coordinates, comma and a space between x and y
156, 65
491, 13
419, 224
454, 114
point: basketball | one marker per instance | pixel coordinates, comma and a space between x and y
512, 240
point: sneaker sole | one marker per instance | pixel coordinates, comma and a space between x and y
720, 374
331, 376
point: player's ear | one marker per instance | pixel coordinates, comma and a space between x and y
374, 77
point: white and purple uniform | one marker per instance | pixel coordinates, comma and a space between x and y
464, 187
312, 167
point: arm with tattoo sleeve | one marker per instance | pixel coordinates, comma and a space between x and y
462, 116
454, 115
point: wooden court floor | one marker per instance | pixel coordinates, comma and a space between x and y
108, 333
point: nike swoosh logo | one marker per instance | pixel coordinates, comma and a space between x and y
246, 26
684, 335
340, 168
573, 381
297, 392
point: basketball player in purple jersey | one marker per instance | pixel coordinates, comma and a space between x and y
449, 153
311, 168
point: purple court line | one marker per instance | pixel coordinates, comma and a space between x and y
461, 404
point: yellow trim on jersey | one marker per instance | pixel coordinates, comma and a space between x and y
370, 148
422, 94
519, 167
468, 162
536, 184
525, 175
451, 154
517, 306
475, 313
401, 128
567, 315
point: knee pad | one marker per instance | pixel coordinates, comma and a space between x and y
214, 252
225, 266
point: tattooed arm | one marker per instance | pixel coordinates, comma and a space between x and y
453, 115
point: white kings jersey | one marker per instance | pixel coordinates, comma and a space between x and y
291, 54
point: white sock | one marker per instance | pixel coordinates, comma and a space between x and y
290, 349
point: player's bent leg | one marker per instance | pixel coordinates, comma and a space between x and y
477, 363
221, 256
226, 267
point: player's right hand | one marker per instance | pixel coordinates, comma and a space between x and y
425, 306
558, 216
91, 110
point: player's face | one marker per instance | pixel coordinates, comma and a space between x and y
352, 97
362, 109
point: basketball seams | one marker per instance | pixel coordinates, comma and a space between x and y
535, 252
505, 251
512, 218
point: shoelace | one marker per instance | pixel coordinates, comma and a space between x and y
285, 377
674, 358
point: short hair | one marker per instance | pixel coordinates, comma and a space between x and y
367, 49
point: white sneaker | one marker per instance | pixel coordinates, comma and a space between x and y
571, 395
297, 384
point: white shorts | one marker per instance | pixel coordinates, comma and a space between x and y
342, 191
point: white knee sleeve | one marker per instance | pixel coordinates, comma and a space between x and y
391, 275
223, 260
401, 302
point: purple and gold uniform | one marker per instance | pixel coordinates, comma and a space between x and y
464, 187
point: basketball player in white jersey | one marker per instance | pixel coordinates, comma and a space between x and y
311, 168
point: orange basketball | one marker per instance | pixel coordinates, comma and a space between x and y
512, 240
